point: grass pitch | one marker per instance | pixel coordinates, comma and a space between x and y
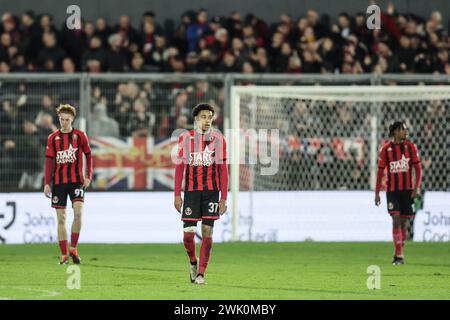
305, 270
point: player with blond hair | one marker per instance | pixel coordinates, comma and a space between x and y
64, 177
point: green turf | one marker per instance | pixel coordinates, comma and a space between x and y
306, 270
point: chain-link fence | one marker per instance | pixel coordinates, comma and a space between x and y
130, 118
27, 117
329, 137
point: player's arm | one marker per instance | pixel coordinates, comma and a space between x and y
179, 172
49, 166
418, 169
223, 178
86, 148
382, 163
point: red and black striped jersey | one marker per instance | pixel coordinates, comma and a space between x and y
66, 150
399, 159
203, 158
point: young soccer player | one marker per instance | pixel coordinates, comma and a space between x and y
64, 171
399, 156
203, 163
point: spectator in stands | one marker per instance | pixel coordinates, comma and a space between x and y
191, 62
101, 124
442, 63
30, 35
68, 66
9, 175
156, 56
195, 30
4, 67
137, 63
126, 94
10, 119
180, 107
182, 123
28, 161
175, 64
405, 56
117, 59
18, 63
179, 37
51, 55
126, 31
148, 36
45, 127
102, 31
93, 57
228, 63
9, 26
140, 122
5, 44
47, 107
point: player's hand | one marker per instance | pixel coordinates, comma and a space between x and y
86, 183
222, 206
47, 191
178, 203
377, 199
415, 193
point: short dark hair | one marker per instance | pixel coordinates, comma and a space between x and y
201, 106
395, 126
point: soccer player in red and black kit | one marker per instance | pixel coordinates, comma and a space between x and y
399, 156
202, 161
64, 170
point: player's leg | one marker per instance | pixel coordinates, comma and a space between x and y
77, 197
397, 235
394, 211
190, 215
407, 212
205, 249
404, 230
59, 202
210, 213
189, 229
62, 235
76, 228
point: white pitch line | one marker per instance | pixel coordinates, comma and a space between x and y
47, 293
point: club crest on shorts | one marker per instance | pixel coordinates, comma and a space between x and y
55, 199
188, 211
390, 206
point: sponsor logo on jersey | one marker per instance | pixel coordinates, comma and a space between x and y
401, 165
188, 211
203, 158
67, 156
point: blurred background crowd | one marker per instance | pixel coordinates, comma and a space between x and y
200, 43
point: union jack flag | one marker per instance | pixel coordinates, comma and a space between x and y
135, 163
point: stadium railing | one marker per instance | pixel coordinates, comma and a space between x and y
105, 103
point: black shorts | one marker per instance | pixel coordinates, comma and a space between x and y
400, 203
60, 192
199, 205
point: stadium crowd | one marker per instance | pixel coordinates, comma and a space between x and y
407, 43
